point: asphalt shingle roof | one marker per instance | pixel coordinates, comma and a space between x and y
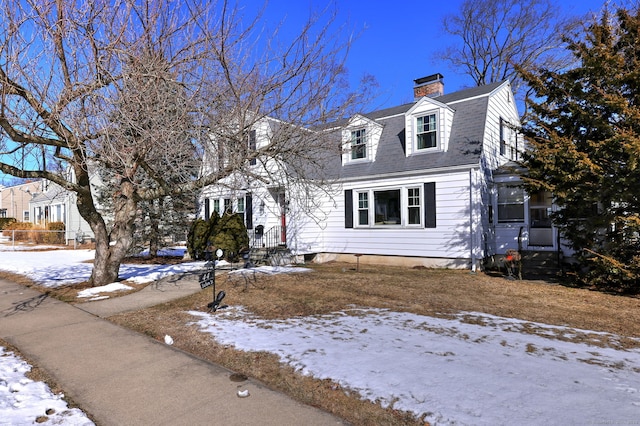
465, 143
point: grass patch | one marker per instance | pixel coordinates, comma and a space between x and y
334, 286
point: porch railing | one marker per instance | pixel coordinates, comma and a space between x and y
274, 237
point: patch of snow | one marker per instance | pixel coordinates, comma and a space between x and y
167, 251
62, 267
89, 292
23, 400
449, 371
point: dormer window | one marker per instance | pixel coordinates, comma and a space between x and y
427, 131
358, 144
428, 127
360, 140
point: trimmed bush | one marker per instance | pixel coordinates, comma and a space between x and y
231, 236
27, 231
227, 233
5, 221
200, 236
54, 237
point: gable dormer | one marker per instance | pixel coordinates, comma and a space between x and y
360, 138
428, 127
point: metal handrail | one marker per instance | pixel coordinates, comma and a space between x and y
274, 237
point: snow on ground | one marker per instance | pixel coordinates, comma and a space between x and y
8, 246
473, 369
92, 292
23, 400
62, 267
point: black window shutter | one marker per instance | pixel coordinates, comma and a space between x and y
430, 205
248, 210
252, 147
207, 213
348, 208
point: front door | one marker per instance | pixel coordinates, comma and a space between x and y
282, 202
540, 230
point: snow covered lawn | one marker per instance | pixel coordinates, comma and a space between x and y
474, 369
62, 267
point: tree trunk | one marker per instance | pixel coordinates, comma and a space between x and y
155, 211
111, 248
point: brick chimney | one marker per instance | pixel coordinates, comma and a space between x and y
432, 86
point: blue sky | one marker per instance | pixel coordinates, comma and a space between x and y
398, 39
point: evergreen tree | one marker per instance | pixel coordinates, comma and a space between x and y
584, 147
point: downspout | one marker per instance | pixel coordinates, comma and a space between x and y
471, 233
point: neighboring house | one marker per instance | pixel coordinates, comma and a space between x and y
14, 200
56, 204
425, 183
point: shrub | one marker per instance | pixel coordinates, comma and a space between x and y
27, 231
56, 237
227, 233
23, 227
5, 221
199, 237
231, 235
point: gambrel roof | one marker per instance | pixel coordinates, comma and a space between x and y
469, 107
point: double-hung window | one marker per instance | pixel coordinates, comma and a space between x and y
216, 207
358, 144
363, 208
413, 206
427, 131
510, 203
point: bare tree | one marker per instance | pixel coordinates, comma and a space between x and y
140, 88
496, 36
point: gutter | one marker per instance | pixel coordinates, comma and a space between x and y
422, 172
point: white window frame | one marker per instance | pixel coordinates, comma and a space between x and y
413, 198
404, 191
510, 202
359, 138
362, 206
420, 131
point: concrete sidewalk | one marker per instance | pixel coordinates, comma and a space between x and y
167, 289
120, 377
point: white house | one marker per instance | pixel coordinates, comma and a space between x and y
425, 183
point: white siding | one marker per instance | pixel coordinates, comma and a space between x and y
450, 239
501, 104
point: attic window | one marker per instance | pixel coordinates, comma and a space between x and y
358, 144
426, 131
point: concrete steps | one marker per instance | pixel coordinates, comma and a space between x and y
541, 265
274, 256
